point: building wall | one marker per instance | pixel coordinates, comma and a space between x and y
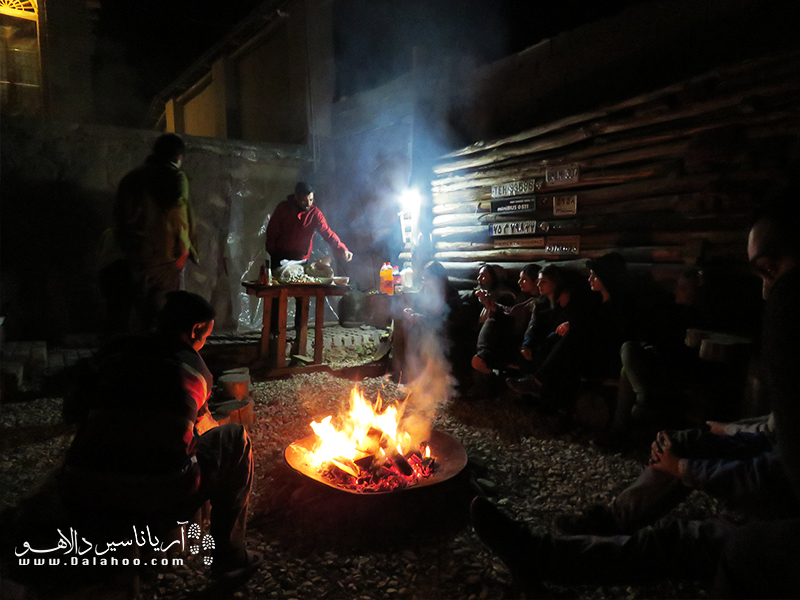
645, 47
271, 108
58, 185
449, 106
67, 44
262, 91
200, 113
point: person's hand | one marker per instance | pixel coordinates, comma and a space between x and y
410, 316
662, 458
486, 300
348, 256
716, 427
526, 353
563, 329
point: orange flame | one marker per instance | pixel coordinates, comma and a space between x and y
365, 430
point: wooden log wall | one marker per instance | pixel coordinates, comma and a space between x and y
668, 179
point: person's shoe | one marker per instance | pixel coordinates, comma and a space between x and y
233, 569
525, 386
480, 365
595, 520
510, 541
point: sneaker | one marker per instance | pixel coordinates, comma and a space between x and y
510, 541
595, 520
525, 386
233, 569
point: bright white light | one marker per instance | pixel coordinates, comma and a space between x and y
410, 200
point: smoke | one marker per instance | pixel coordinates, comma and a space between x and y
431, 382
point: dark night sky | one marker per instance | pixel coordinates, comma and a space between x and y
144, 45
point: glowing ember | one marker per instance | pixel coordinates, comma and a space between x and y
369, 451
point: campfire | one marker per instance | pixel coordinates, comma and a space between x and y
374, 449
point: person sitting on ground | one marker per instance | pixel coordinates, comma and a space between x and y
546, 315
555, 381
651, 369
617, 318
757, 560
504, 328
736, 462
147, 451
492, 284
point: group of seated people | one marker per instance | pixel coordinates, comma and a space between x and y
753, 467
561, 326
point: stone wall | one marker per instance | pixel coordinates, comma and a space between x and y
58, 184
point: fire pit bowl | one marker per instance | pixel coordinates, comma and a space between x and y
451, 458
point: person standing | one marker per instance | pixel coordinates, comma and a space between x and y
154, 226
292, 226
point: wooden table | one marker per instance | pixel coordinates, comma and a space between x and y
303, 292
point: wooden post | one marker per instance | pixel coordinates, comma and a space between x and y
266, 324
301, 320
319, 322
283, 302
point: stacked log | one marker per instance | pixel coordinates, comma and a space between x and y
668, 179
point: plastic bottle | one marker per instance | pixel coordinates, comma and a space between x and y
407, 275
397, 280
387, 281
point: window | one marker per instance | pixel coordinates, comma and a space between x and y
20, 66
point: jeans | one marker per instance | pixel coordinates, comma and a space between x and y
225, 457
655, 493
676, 549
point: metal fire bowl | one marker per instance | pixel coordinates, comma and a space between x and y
451, 458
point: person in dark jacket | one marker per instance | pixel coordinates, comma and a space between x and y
291, 228
146, 450
566, 349
504, 328
758, 560
154, 233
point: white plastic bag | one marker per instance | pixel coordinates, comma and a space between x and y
291, 271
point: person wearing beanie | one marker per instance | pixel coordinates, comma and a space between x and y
291, 228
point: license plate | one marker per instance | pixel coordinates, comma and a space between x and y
565, 175
516, 188
513, 205
513, 228
563, 244
565, 205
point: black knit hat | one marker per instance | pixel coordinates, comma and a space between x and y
609, 268
303, 189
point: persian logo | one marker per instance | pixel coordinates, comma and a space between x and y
196, 542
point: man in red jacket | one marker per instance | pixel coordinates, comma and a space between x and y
291, 229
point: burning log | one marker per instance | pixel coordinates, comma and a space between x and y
402, 464
364, 451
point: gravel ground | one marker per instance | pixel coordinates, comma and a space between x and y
321, 543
